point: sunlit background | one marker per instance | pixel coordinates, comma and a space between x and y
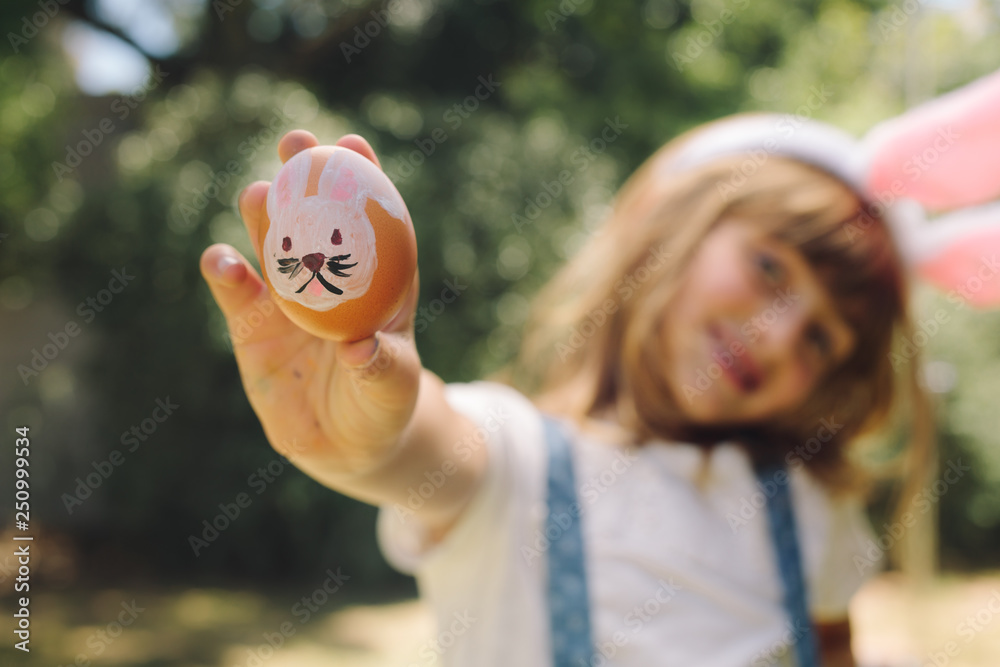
127, 130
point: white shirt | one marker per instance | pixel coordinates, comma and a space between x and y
678, 573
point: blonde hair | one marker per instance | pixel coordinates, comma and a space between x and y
592, 346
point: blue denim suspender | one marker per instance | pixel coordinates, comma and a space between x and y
786, 545
569, 605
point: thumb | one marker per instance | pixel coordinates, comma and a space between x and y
241, 295
385, 364
359, 354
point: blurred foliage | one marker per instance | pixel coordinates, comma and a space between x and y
162, 185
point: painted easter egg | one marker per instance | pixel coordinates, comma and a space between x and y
338, 249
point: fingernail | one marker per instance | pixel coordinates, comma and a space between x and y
221, 265
370, 356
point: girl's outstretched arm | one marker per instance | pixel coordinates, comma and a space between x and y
363, 418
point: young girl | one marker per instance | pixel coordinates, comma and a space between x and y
616, 497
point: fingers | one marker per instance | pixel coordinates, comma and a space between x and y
240, 292
403, 321
358, 144
361, 353
299, 140
252, 201
375, 357
294, 142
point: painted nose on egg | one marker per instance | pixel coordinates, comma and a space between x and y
313, 261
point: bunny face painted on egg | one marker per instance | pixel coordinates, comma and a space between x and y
321, 246
338, 246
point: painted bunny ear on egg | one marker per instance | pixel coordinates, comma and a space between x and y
337, 181
290, 184
343, 179
945, 154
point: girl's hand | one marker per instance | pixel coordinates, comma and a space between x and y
335, 409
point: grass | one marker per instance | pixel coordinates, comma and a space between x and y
893, 627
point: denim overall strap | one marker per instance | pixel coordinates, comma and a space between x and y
786, 545
569, 606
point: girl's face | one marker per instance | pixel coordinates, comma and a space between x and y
752, 329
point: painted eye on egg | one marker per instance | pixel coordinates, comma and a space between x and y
286, 244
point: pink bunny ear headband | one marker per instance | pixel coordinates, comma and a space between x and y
943, 155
